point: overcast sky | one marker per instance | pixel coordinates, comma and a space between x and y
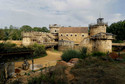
64, 12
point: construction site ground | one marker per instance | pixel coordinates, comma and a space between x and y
49, 60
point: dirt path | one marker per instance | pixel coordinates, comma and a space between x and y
49, 60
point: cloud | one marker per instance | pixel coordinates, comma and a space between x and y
64, 12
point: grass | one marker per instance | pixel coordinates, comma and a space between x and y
96, 71
98, 54
69, 54
56, 76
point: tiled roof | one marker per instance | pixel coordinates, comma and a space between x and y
73, 30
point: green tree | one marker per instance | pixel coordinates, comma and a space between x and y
44, 29
2, 34
26, 28
37, 29
118, 29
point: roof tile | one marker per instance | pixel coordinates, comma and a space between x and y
73, 30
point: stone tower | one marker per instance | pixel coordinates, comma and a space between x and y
54, 29
99, 40
99, 27
102, 41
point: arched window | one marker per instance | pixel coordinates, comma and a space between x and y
55, 31
61, 35
82, 35
71, 34
67, 35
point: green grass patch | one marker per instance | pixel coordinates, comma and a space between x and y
69, 54
98, 54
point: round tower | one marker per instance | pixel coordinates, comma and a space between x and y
54, 29
99, 27
102, 42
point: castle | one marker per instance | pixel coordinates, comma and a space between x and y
73, 37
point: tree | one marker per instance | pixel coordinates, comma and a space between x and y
2, 34
118, 29
37, 29
44, 29
26, 28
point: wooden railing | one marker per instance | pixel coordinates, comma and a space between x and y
118, 44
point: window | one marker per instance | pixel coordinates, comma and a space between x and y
75, 35
82, 35
71, 34
55, 31
67, 35
61, 35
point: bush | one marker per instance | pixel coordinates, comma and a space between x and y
39, 50
69, 54
10, 52
96, 71
118, 41
57, 76
16, 82
98, 54
83, 52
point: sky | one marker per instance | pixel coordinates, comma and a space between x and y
39, 13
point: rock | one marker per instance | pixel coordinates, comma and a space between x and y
74, 60
70, 64
63, 63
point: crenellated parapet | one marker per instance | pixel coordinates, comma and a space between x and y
103, 36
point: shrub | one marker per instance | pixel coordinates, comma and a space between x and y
98, 54
69, 54
10, 52
16, 82
39, 50
57, 76
83, 52
96, 71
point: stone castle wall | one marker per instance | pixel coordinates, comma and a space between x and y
95, 29
97, 40
37, 37
102, 46
64, 45
76, 37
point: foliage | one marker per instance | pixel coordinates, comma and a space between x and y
57, 76
69, 54
117, 41
118, 29
96, 71
26, 28
39, 50
7, 48
14, 33
16, 82
98, 54
83, 52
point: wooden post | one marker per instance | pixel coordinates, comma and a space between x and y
32, 62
